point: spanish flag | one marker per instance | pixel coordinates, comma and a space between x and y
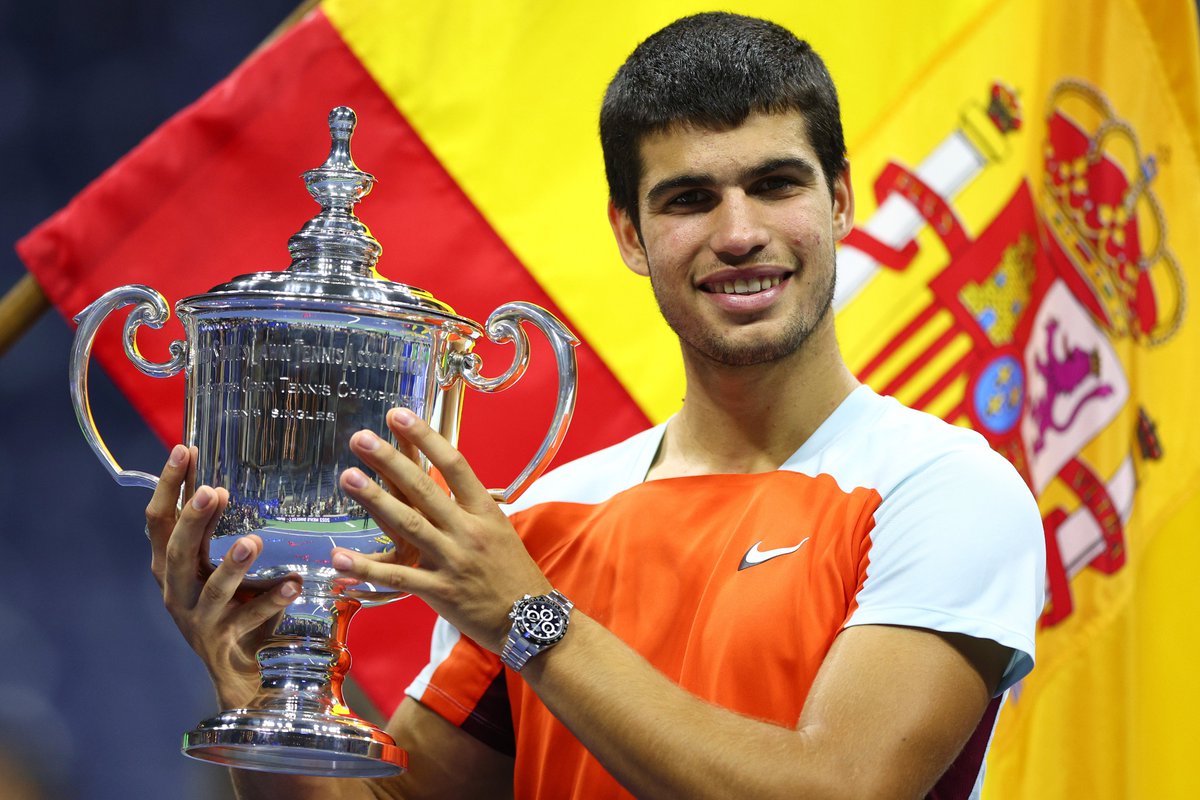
1026, 177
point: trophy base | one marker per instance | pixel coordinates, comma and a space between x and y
294, 743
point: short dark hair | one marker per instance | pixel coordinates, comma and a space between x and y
713, 70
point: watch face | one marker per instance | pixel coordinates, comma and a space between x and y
540, 621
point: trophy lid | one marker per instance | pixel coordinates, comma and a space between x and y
333, 254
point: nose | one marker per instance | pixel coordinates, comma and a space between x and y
738, 230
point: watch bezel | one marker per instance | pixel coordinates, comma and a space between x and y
527, 633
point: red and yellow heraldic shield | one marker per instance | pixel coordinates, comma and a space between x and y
1026, 177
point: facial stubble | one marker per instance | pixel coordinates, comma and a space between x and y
708, 342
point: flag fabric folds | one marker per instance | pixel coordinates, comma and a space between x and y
1024, 247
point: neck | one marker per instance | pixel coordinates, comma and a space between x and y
752, 418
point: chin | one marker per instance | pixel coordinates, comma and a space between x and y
741, 352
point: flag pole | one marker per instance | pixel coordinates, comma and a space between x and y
23, 304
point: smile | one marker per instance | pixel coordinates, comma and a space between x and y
744, 285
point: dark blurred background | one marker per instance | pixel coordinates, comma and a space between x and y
96, 685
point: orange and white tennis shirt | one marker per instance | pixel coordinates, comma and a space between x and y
735, 586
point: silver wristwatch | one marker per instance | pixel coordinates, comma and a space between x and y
538, 624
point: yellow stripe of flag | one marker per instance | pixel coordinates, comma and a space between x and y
507, 97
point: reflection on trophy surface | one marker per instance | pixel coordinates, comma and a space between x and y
282, 367
278, 405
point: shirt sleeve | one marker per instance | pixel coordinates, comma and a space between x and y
466, 685
958, 547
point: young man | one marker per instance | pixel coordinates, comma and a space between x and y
793, 588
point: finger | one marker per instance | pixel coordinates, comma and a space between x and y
189, 486
161, 510
401, 553
400, 521
224, 581
414, 486
409, 451
467, 489
392, 489
406, 449
223, 584
251, 614
382, 573
196, 521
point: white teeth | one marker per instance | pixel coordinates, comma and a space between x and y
747, 285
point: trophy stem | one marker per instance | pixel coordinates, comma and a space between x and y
298, 722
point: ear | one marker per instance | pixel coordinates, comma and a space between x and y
843, 205
628, 241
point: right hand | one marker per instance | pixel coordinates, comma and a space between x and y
223, 626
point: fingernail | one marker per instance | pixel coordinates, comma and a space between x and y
367, 440
289, 590
240, 551
343, 562
355, 477
202, 498
403, 417
178, 454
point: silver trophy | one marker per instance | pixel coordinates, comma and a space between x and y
281, 368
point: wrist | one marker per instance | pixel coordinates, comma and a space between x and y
235, 691
538, 623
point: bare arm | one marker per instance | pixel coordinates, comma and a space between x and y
889, 711
226, 631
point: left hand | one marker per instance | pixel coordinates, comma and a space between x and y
472, 565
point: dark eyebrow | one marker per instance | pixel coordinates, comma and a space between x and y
691, 181
800, 165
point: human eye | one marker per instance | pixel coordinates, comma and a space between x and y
688, 200
777, 184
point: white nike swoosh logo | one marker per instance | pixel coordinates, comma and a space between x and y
755, 556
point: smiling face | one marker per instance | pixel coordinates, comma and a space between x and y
737, 236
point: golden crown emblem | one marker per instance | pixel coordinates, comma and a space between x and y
1103, 215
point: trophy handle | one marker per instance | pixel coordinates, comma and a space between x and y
151, 310
504, 325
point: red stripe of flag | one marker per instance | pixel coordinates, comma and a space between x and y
896, 342
914, 366
949, 376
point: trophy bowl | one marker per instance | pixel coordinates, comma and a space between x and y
281, 368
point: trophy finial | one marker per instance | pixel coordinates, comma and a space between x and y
342, 121
335, 241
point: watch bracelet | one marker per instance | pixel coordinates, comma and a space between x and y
517, 651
